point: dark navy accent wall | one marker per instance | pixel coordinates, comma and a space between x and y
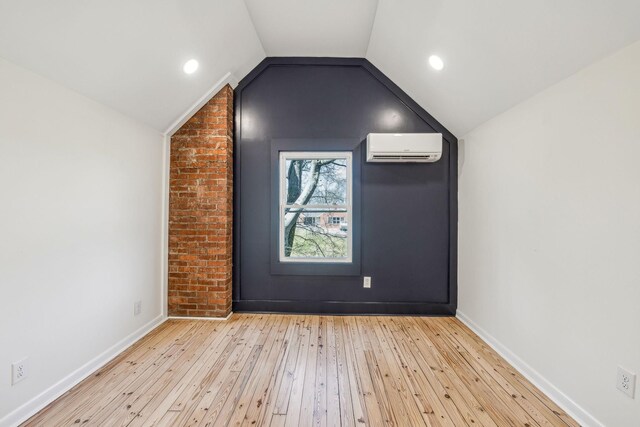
408, 212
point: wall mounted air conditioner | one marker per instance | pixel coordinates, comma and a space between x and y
404, 147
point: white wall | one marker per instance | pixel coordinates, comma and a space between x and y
80, 234
549, 259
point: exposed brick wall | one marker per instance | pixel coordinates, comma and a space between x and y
200, 211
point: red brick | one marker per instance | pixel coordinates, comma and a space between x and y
200, 211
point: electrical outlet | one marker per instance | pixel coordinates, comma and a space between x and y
626, 382
137, 308
19, 371
367, 282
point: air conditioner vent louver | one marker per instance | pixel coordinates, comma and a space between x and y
400, 157
404, 148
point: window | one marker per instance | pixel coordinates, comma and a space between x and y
335, 220
315, 207
310, 220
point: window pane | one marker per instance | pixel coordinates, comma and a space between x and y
318, 230
319, 233
316, 181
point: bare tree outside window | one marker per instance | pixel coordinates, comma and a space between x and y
315, 206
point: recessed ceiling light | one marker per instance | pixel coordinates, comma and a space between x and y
190, 66
436, 62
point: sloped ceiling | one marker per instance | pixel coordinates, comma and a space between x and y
497, 53
129, 54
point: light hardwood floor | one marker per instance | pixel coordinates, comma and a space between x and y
281, 370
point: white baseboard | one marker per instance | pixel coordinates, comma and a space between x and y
578, 413
30, 408
201, 318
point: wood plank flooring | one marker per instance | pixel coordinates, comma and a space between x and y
281, 370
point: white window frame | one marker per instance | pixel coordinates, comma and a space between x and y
348, 207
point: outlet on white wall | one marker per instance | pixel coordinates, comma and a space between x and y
137, 308
19, 371
367, 282
626, 382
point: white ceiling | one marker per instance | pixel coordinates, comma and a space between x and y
312, 27
497, 53
129, 54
